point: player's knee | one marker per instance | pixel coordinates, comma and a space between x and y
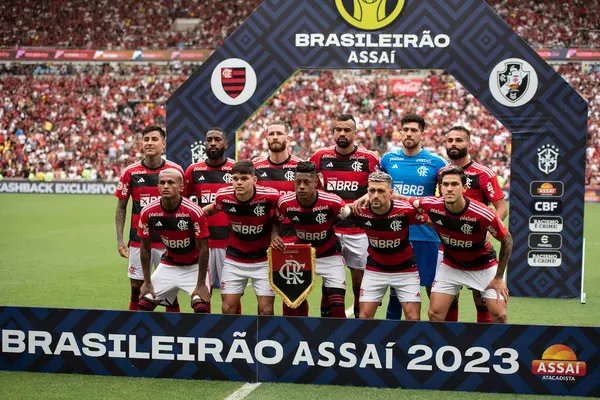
435, 315
413, 314
499, 316
266, 309
228, 308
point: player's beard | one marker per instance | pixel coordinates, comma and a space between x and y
413, 144
455, 153
343, 143
277, 147
215, 155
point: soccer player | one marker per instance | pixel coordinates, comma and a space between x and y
181, 225
140, 182
277, 171
414, 173
482, 185
469, 258
312, 213
345, 168
249, 214
391, 262
203, 180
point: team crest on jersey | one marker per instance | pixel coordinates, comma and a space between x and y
357, 166
197, 228
198, 151
369, 15
467, 229
233, 81
227, 178
513, 82
396, 225
321, 218
289, 175
547, 158
422, 171
469, 182
182, 225
259, 211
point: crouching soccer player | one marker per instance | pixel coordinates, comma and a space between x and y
184, 232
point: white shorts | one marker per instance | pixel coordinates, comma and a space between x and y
451, 280
216, 259
406, 284
168, 279
236, 274
134, 270
354, 249
332, 270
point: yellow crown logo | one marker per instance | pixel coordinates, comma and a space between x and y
369, 15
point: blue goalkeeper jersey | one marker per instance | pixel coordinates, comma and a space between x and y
415, 176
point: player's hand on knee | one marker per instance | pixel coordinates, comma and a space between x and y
360, 203
123, 249
147, 290
500, 287
202, 292
277, 243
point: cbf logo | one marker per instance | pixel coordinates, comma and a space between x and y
369, 15
233, 81
198, 151
547, 158
291, 272
513, 82
357, 166
422, 171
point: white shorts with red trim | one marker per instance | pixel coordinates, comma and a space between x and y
354, 249
451, 280
332, 270
134, 270
406, 284
236, 274
216, 260
167, 280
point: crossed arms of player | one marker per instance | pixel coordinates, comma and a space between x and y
200, 290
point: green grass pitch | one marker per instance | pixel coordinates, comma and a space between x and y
60, 251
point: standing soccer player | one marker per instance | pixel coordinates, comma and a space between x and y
248, 208
345, 168
277, 171
391, 262
312, 213
482, 185
140, 182
469, 258
203, 180
414, 173
180, 224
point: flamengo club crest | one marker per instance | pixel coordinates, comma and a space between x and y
291, 272
233, 81
513, 82
547, 158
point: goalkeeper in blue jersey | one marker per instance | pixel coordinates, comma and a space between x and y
414, 173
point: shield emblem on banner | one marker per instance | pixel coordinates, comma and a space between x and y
547, 159
292, 272
513, 81
233, 80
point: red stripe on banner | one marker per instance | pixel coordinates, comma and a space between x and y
233, 88
239, 73
234, 80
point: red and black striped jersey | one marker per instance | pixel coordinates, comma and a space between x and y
347, 176
389, 247
178, 230
281, 178
464, 235
202, 182
249, 221
141, 183
482, 184
313, 224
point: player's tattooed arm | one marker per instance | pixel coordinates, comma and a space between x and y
505, 249
201, 289
501, 210
277, 242
209, 210
145, 250
120, 215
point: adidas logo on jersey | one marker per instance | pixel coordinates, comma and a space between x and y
330, 165
368, 223
201, 178
232, 209
264, 175
141, 180
439, 222
295, 219
158, 224
395, 166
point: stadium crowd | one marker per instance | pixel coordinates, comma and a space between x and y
83, 121
130, 24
